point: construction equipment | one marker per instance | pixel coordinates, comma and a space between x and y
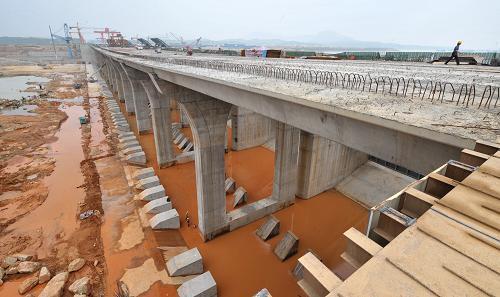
160, 43
145, 44
66, 38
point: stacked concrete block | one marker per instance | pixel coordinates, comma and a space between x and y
147, 183
240, 196
186, 263
127, 145
183, 143
176, 126
179, 138
263, 293
126, 139
269, 229
152, 193
230, 185
201, 286
287, 247
136, 159
125, 134
143, 173
166, 220
189, 147
158, 205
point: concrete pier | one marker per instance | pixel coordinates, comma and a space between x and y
160, 113
285, 163
323, 164
140, 99
207, 117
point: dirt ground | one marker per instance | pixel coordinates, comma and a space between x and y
29, 153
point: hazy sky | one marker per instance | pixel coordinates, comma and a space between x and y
419, 22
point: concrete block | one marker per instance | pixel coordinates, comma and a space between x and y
125, 134
176, 126
189, 147
123, 128
183, 143
185, 157
186, 263
166, 220
126, 145
230, 185
136, 159
143, 173
263, 293
269, 229
179, 138
240, 196
158, 205
121, 123
201, 286
147, 183
287, 247
152, 193
132, 150
126, 139
175, 133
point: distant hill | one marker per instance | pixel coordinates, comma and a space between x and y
4, 40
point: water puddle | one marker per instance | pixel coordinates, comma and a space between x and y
24, 110
56, 218
13, 88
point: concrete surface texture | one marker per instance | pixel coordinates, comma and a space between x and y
285, 163
201, 286
323, 164
249, 129
240, 196
147, 183
187, 263
143, 173
165, 220
372, 183
136, 159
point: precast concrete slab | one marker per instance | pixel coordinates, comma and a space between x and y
269, 229
158, 205
166, 220
136, 159
201, 286
152, 193
186, 263
287, 247
132, 150
189, 147
240, 196
143, 173
230, 185
147, 183
125, 134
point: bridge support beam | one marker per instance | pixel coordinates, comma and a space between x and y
162, 124
117, 82
140, 98
285, 163
124, 88
249, 129
208, 117
323, 164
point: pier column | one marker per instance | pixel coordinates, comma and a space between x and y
323, 164
127, 90
117, 82
162, 125
285, 163
207, 117
139, 98
249, 129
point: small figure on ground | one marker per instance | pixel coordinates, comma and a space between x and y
187, 218
454, 55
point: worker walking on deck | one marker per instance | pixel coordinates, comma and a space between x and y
455, 54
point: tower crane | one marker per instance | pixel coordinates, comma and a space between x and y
66, 38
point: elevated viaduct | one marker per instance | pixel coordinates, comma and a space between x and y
325, 123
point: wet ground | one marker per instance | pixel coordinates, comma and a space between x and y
14, 87
240, 262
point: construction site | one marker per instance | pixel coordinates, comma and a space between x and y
151, 167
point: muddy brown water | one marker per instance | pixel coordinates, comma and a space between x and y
239, 261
